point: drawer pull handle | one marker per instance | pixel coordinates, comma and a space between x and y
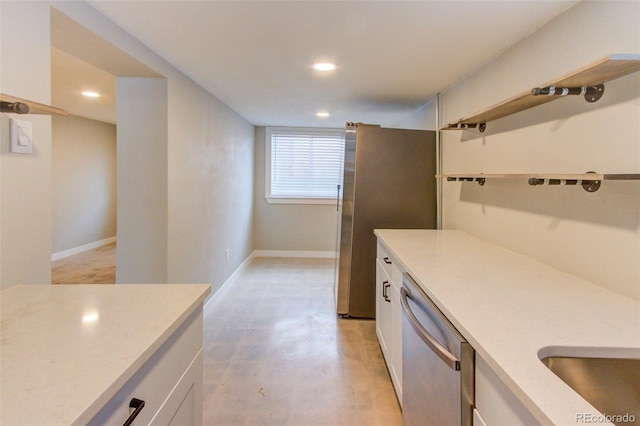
387, 261
137, 405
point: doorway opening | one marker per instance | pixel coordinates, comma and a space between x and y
88, 144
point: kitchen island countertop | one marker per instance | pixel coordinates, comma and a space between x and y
67, 349
514, 310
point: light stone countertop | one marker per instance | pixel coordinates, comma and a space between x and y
511, 308
67, 349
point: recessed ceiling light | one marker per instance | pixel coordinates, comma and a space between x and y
322, 114
89, 94
324, 66
90, 317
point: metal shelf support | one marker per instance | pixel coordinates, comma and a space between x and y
590, 181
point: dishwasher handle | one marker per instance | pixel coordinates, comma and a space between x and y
442, 352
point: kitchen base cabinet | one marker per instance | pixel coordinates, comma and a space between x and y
477, 418
170, 383
395, 354
383, 309
389, 316
495, 403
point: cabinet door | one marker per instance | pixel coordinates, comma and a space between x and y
184, 405
383, 313
477, 418
164, 381
395, 345
497, 404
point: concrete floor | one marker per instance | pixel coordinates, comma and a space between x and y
276, 354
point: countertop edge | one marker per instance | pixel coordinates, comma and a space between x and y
528, 400
119, 382
133, 368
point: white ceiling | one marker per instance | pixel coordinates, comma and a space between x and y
392, 56
71, 76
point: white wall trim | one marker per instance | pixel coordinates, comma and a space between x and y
295, 253
86, 247
213, 299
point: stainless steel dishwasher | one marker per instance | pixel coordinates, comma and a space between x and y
437, 364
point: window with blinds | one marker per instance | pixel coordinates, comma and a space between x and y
303, 165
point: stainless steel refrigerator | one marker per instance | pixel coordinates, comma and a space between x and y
389, 182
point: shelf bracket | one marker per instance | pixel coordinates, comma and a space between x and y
14, 107
587, 185
481, 181
480, 126
591, 93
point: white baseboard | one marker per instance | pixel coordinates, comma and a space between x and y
295, 253
83, 248
213, 299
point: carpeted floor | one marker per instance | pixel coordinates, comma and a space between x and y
97, 266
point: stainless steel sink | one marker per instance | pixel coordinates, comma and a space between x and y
612, 385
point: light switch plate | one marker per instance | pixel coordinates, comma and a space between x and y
21, 136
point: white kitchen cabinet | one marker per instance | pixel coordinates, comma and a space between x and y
82, 352
495, 403
170, 383
389, 315
395, 354
383, 309
477, 418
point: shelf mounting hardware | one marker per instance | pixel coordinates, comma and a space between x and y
589, 79
14, 107
591, 93
587, 184
481, 181
590, 181
480, 126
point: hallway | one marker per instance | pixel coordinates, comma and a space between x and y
275, 353
96, 266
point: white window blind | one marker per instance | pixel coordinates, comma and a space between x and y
304, 163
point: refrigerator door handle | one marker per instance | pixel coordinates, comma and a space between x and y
427, 338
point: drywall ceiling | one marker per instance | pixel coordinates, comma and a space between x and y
71, 76
83, 61
392, 56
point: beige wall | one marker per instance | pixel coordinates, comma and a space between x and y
210, 186
84, 182
202, 218
25, 180
289, 227
595, 236
142, 180
209, 176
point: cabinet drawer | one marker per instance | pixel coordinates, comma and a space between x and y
390, 266
176, 362
385, 259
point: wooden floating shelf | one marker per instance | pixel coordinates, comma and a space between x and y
34, 107
589, 78
589, 181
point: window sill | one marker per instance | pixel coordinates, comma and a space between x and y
273, 200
